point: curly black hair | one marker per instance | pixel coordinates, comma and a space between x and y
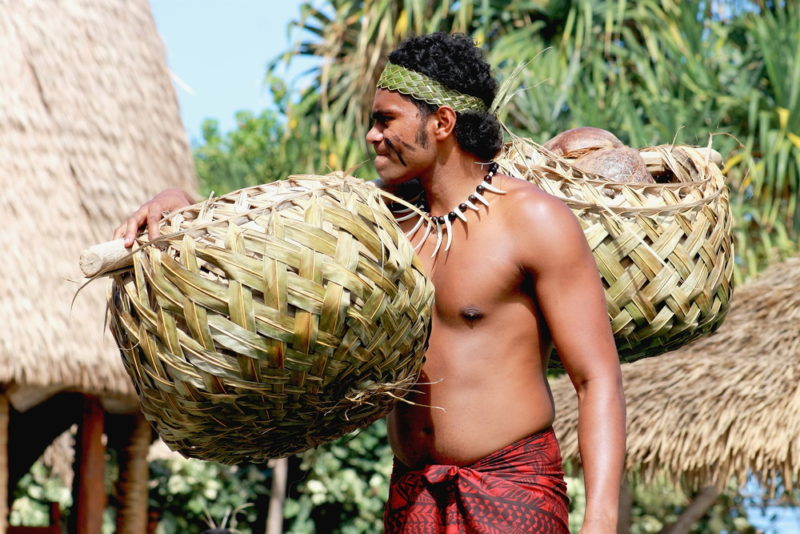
455, 61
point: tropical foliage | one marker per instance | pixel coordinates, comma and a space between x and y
342, 486
249, 155
33, 495
190, 496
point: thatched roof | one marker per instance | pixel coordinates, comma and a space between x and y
89, 128
722, 406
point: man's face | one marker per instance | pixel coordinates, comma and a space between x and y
400, 137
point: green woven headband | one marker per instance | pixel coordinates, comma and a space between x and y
421, 87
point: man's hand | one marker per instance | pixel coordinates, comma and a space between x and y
151, 212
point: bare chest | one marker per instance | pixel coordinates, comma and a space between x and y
477, 275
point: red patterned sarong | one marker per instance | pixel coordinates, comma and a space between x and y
518, 489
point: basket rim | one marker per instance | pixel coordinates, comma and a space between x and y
586, 177
709, 189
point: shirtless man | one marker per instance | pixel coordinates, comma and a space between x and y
517, 279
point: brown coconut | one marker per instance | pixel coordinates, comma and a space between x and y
576, 142
622, 164
600, 152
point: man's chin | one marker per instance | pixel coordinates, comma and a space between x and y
394, 182
391, 174
389, 177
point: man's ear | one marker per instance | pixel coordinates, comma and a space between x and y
444, 122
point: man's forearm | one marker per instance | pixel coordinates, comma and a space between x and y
601, 438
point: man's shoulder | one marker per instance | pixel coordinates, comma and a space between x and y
547, 234
527, 204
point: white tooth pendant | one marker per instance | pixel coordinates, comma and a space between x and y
404, 215
449, 231
428, 227
460, 214
480, 198
416, 227
438, 236
493, 189
442, 224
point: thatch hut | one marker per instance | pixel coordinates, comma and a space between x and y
725, 406
89, 127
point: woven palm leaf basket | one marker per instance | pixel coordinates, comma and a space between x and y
664, 250
273, 319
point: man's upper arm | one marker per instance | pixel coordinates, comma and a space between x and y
568, 290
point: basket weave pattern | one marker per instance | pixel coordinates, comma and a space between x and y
664, 250
274, 319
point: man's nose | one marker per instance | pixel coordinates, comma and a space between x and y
374, 136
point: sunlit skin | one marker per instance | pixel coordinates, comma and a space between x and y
518, 278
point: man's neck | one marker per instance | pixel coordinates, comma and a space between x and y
454, 176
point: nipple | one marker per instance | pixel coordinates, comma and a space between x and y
471, 313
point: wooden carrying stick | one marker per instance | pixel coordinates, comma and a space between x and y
113, 255
106, 256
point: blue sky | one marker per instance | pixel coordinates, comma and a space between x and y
218, 51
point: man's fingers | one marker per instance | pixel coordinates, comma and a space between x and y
130, 227
119, 232
153, 216
150, 214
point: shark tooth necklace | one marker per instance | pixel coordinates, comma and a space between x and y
442, 225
